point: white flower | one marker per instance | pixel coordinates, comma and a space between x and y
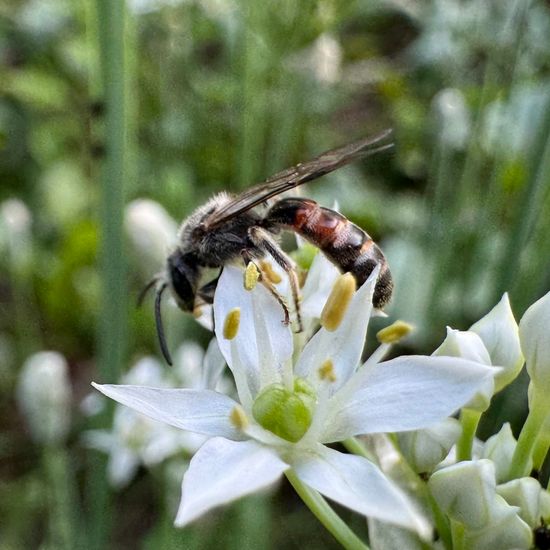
136, 440
284, 416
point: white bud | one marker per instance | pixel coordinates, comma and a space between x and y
466, 492
150, 228
15, 231
44, 396
425, 449
508, 530
531, 499
500, 448
534, 332
326, 58
500, 334
468, 345
147, 371
453, 117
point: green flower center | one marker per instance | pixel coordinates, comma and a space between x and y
286, 413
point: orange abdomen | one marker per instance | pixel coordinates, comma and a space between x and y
348, 246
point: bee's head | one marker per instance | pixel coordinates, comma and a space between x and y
181, 276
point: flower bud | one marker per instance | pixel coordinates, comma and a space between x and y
535, 342
44, 396
453, 116
508, 530
425, 449
15, 232
468, 345
150, 228
500, 333
531, 499
466, 492
500, 448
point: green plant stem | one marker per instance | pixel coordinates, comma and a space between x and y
528, 437
457, 530
110, 84
353, 445
469, 420
62, 498
325, 514
540, 451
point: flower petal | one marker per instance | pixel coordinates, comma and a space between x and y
201, 411
406, 393
263, 343
223, 471
343, 347
533, 331
500, 334
357, 483
319, 282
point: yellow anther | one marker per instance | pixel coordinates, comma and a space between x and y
238, 418
394, 332
270, 273
231, 324
326, 371
251, 276
338, 302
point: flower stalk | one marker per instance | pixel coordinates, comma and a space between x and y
325, 514
528, 437
469, 419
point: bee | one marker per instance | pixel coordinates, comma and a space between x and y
231, 228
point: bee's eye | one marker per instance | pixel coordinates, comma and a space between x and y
183, 274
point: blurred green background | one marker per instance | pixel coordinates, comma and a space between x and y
102, 103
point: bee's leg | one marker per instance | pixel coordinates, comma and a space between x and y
266, 282
263, 240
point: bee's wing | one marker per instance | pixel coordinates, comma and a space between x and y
297, 175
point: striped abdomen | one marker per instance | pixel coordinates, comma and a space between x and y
344, 243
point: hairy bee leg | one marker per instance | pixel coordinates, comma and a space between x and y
266, 283
263, 240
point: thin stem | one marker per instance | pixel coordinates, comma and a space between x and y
540, 451
353, 445
325, 514
469, 420
62, 509
457, 531
528, 436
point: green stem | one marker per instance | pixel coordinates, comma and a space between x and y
540, 451
109, 82
528, 437
62, 509
457, 531
469, 420
325, 514
353, 445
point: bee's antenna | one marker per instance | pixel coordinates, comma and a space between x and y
146, 289
158, 319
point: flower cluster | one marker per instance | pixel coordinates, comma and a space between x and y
291, 404
411, 465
